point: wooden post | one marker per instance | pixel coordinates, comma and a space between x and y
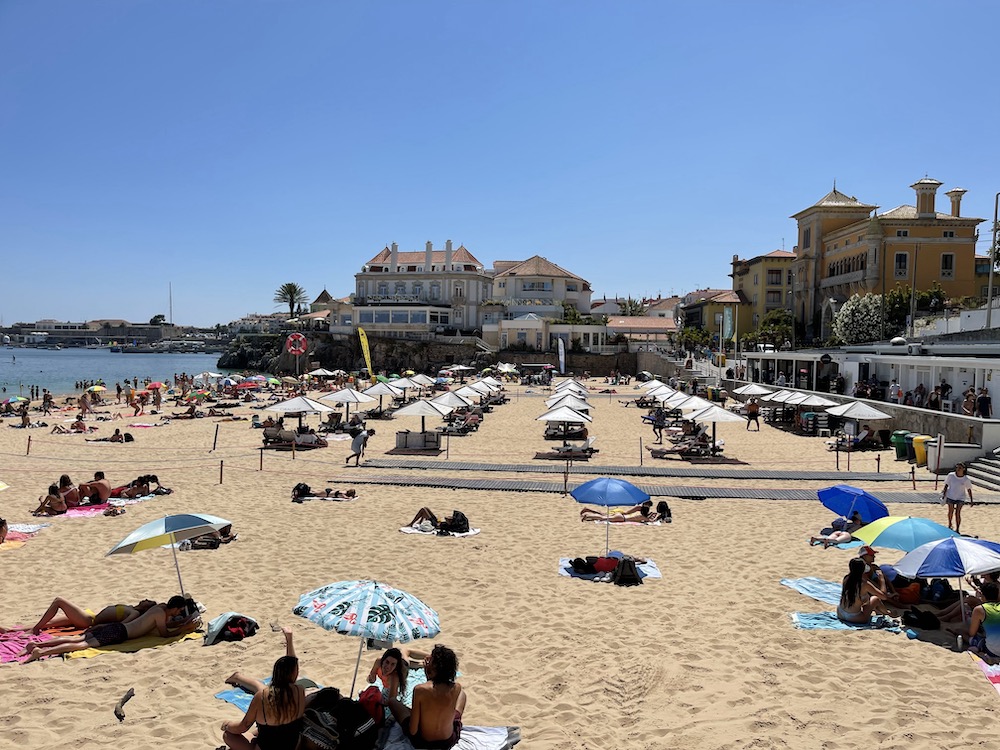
836, 449
261, 460
28, 451
215, 440
878, 464
220, 470
849, 452
293, 449
640, 450
913, 476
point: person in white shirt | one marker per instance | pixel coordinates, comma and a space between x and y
956, 486
895, 393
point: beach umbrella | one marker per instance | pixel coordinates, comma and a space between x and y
808, 399
608, 491
573, 402
468, 392
490, 380
651, 384
423, 409
368, 609
565, 415
953, 557
381, 390
154, 386
752, 389
422, 380
407, 373
289, 380
778, 397
459, 368
247, 385
273, 381
97, 389
339, 373
319, 372
230, 381
715, 414
300, 405
571, 385
199, 394
168, 531
258, 378
902, 532
15, 400
452, 399
858, 410
403, 384
844, 500
347, 396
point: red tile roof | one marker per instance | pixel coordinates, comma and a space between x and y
459, 255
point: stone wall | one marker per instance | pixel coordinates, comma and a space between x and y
598, 365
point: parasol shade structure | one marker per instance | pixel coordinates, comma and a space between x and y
423, 409
858, 410
347, 396
752, 389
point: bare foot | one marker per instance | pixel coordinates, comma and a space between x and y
234, 679
36, 654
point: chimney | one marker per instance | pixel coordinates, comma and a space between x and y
926, 193
393, 258
447, 255
428, 256
956, 200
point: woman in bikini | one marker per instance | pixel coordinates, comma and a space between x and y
392, 669
69, 491
51, 504
74, 616
276, 709
642, 513
860, 598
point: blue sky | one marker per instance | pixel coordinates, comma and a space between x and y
227, 147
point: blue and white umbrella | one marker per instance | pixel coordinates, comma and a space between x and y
368, 609
953, 557
608, 491
845, 500
168, 531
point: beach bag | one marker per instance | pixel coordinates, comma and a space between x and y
839, 524
626, 573
459, 524
301, 490
917, 618
237, 628
338, 724
909, 594
128, 437
371, 700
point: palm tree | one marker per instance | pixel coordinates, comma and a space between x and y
631, 307
290, 294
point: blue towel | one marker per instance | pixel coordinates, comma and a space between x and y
827, 592
830, 621
241, 698
647, 569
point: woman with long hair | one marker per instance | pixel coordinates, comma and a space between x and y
276, 709
392, 669
860, 598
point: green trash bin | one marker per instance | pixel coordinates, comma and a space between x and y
920, 448
898, 441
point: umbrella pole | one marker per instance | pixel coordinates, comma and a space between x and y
961, 600
173, 548
607, 530
356, 666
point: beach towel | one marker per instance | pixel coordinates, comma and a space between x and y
629, 523
334, 499
830, 621
27, 528
827, 592
129, 647
990, 672
11, 543
647, 569
241, 698
86, 511
473, 738
412, 530
12, 643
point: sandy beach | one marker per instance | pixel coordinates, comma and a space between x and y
706, 657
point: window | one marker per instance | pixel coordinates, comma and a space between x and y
571, 286
383, 288
459, 291
718, 319
400, 288
755, 299
361, 290
502, 285
755, 280
418, 316
536, 286
902, 232
418, 289
807, 237
345, 320
774, 278
901, 265
381, 316
948, 265
400, 316
411, 269
366, 316
435, 290
774, 298
949, 233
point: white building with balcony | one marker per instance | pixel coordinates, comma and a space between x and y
413, 294
535, 286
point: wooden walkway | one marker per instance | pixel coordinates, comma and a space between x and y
679, 472
688, 493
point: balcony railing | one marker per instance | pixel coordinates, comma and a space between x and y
393, 299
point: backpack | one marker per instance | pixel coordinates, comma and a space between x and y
917, 618
128, 438
336, 723
301, 490
626, 573
459, 524
237, 628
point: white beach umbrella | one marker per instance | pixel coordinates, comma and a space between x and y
809, 399
858, 410
320, 372
661, 390
778, 397
490, 380
651, 384
422, 380
381, 390
485, 387
347, 396
404, 383
573, 402
424, 409
715, 414
752, 389
452, 399
299, 405
468, 392
459, 368
574, 384
563, 414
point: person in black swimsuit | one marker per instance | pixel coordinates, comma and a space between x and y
277, 708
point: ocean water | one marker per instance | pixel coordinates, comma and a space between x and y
59, 370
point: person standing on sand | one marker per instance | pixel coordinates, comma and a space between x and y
358, 446
753, 413
956, 486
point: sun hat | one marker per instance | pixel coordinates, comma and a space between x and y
866, 550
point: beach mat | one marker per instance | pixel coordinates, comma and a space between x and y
830, 621
130, 647
990, 672
473, 738
647, 569
241, 698
27, 528
411, 530
11, 543
86, 511
827, 592
12, 643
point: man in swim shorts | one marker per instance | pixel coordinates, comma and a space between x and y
435, 721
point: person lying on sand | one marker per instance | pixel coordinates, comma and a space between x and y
641, 513
276, 709
75, 428
156, 619
435, 720
426, 520
51, 504
190, 413
212, 540
75, 616
117, 437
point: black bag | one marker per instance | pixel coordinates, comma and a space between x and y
917, 618
128, 438
336, 723
301, 490
458, 524
626, 573
237, 628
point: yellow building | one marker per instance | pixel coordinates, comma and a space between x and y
845, 249
724, 313
765, 282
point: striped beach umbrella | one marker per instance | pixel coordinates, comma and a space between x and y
368, 609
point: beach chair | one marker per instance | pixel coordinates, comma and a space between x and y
270, 434
586, 448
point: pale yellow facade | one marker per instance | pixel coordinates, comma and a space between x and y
765, 282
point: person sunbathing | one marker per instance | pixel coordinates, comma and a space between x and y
190, 413
276, 709
435, 720
74, 616
213, 412
51, 504
117, 437
69, 491
426, 520
641, 513
74, 429
158, 618
97, 491
860, 598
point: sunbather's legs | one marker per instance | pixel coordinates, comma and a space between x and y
237, 741
424, 514
40, 652
73, 616
251, 684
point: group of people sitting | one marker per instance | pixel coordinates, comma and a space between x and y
287, 717
114, 624
65, 494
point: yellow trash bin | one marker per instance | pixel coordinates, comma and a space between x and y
920, 448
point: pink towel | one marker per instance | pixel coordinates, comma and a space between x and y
86, 511
17, 536
12, 644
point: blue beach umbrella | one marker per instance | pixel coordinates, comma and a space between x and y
902, 532
844, 500
608, 491
368, 609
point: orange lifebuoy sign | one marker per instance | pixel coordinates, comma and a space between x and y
296, 344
